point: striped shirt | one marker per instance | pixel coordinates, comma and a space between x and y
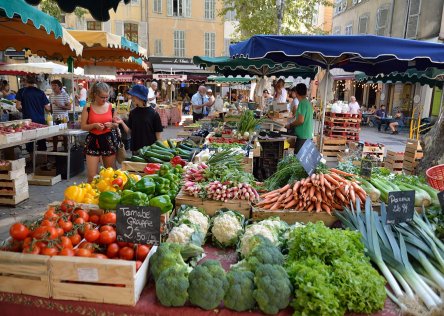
62, 98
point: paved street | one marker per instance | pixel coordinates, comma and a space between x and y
40, 196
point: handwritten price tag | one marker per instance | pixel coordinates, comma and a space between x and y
401, 206
138, 224
309, 156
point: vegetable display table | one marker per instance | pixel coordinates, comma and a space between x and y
17, 304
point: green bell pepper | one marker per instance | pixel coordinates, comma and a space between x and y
145, 185
134, 198
108, 200
162, 185
165, 168
129, 185
178, 169
163, 202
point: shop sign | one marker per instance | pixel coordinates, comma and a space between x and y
309, 156
169, 77
401, 207
100, 70
170, 60
138, 224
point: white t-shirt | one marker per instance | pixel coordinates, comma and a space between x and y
82, 96
151, 94
354, 107
294, 105
282, 98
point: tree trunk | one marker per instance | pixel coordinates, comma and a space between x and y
432, 145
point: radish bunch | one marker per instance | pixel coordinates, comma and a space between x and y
230, 191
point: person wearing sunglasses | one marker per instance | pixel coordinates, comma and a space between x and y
97, 119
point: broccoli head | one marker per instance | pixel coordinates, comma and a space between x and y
172, 286
265, 252
208, 284
167, 255
273, 288
239, 295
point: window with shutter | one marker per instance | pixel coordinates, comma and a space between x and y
382, 20
93, 25
131, 32
143, 37
180, 8
209, 9
179, 43
80, 24
118, 28
413, 19
158, 47
363, 24
349, 29
210, 44
187, 6
340, 6
157, 6
170, 7
227, 43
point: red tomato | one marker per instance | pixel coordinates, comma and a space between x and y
94, 219
98, 256
65, 242
82, 252
75, 239
45, 232
60, 231
35, 250
118, 182
47, 222
126, 253
92, 235
108, 218
27, 241
106, 228
142, 252
138, 265
87, 245
65, 225
107, 237
41, 244
67, 206
79, 213
112, 250
66, 252
85, 227
79, 221
51, 214
49, 251
122, 244
18, 231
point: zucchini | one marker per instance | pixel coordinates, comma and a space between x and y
171, 144
137, 159
158, 148
155, 160
185, 157
184, 152
164, 153
158, 156
160, 144
183, 146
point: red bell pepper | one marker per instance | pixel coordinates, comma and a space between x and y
178, 161
151, 168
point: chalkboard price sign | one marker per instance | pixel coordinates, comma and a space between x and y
138, 224
401, 206
366, 168
309, 156
441, 200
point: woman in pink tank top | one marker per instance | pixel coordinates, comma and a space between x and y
101, 141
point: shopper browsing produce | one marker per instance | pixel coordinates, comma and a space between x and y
198, 102
303, 121
144, 122
101, 141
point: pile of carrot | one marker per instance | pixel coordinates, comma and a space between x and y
319, 192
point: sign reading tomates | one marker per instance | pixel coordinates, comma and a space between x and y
138, 224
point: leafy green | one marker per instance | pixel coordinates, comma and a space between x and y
289, 170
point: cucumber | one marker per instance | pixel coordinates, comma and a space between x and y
160, 144
183, 152
137, 159
158, 148
170, 143
163, 153
155, 160
158, 156
183, 146
185, 157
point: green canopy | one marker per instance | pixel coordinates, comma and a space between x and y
254, 67
432, 76
232, 80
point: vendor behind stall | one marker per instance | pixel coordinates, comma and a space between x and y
33, 103
303, 120
198, 102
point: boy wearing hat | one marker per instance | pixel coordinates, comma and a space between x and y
82, 95
144, 123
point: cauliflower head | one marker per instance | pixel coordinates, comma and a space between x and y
180, 234
208, 284
226, 229
239, 296
248, 242
273, 288
172, 286
166, 256
193, 215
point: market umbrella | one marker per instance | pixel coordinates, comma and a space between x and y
230, 80
368, 53
37, 68
24, 27
122, 64
254, 67
100, 45
432, 77
98, 9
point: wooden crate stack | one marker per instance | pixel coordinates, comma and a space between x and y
394, 161
13, 182
333, 147
342, 125
376, 152
413, 154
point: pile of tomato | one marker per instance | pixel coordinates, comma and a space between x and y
69, 230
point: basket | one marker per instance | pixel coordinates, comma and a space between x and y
435, 177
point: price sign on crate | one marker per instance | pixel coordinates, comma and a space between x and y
138, 224
441, 200
401, 206
309, 156
366, 168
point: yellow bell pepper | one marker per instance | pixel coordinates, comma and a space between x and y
135, 177
107, 173
166, 143
74, 193
102, 185
120, 174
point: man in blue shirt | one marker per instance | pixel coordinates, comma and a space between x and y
33, 103
198, 102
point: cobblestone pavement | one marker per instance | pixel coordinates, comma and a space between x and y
41, 196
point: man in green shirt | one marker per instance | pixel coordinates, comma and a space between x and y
303, 121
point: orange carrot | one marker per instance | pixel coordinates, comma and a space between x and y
290, 204
289, 191
337, 177
296, 186
276, 206
311, 192
342, 173
319, 196
318, 207
284, 188
321, 179
330, 179
339, 195
310, 208
326, 208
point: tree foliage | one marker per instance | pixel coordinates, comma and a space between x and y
52, 8
261, 16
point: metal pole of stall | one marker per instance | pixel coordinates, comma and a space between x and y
321, 137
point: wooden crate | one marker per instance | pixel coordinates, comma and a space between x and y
13, 200
132, 166
13, 174
98, 280
184, 134
14, 191
44, 180
212, 206
247, 164
377, 152
332, 147
11, 165
394, 161
10, 138
292, 216
24, 274
413, 154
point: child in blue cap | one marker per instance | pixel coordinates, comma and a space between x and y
144, 123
